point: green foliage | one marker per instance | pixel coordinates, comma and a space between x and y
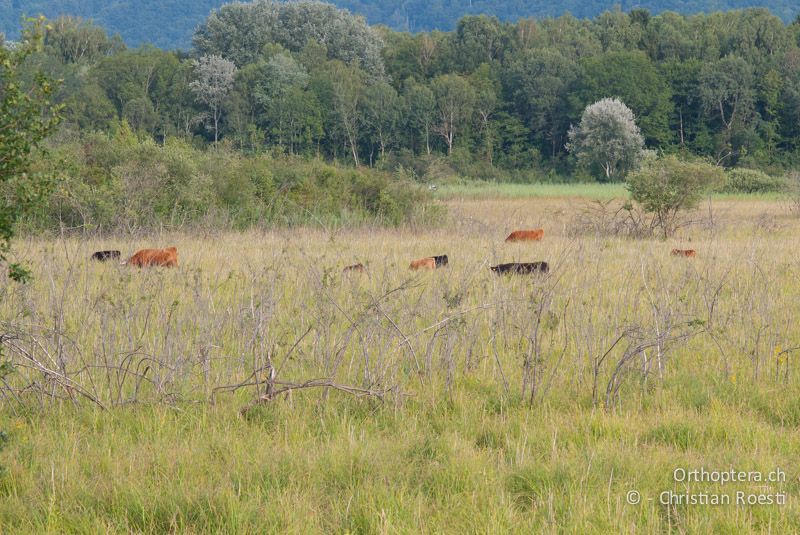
455, 101
6, 368
26, 118
607, 139
742, 180
665, 186
540, 81
239, 32
74, 40
498, 98
114, 181
631, 77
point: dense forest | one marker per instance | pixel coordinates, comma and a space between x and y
169, 23
490, 100
426, 15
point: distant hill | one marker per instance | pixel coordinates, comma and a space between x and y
170, 23
166, 24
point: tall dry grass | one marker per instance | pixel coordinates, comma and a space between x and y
250, 307
620, 334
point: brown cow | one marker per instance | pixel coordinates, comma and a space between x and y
423, 263
683, 252
526, 235
355, 268
155, 257
431, 262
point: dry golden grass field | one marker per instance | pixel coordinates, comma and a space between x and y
257, 389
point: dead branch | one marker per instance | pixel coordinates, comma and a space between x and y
313, 383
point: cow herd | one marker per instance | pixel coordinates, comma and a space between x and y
513, 268
168, 257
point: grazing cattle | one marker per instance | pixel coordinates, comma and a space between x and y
423, 263
526, 235
683, 252
355, 268
102, 256
440, 260
155, 257
521, 268
430, 262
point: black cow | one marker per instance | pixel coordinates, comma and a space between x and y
102, 256
440, 260
522, 268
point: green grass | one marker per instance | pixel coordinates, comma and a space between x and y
487, 190
354, 467
589, 190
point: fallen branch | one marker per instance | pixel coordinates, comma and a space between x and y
314, 383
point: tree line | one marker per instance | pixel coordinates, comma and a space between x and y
490, 100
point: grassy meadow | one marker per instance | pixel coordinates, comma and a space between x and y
451, 401
476, 190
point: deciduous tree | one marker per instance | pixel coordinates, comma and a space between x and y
455, 100
213, 82
607, 138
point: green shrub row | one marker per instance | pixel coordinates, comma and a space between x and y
740, 180
111, 183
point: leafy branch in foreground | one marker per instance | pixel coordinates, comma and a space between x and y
27, 117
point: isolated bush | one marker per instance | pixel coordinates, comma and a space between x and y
665, 186
741, 180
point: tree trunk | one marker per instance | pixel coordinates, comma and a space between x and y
427, 139
216, 125
354, 151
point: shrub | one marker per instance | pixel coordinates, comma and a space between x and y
751, 181
119, 182
666, 186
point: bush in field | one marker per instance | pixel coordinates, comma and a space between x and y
665, 186
122, 182
751, 181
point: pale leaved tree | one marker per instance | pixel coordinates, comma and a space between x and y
607, 138
213, 81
